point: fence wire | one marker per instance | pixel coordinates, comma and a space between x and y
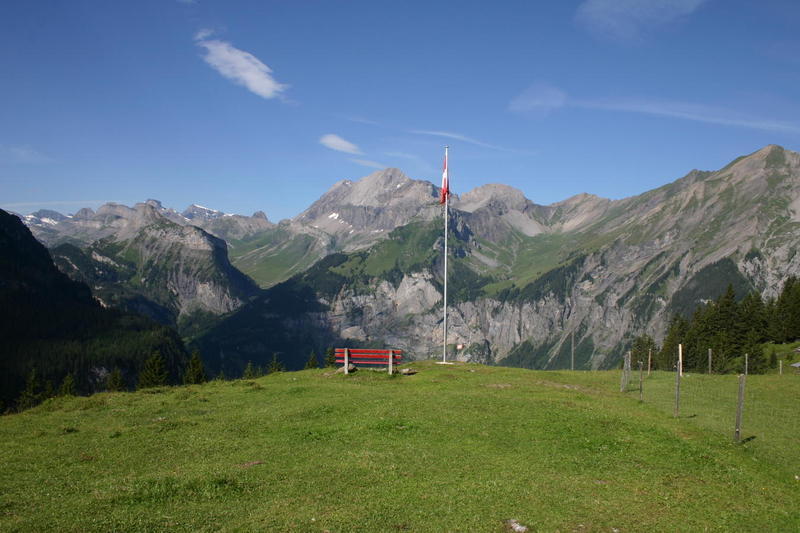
770, 418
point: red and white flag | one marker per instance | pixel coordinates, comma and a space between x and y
445, 192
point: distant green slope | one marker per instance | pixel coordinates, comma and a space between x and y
460, 448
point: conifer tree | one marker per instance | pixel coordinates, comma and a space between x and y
753, 312
756, 362
773, 358
330, 357
67, 386
154, 372
275, 365
312, 361
640, 348
195, 371
668, 355
31, 395
114, 381
250, 371
49, 390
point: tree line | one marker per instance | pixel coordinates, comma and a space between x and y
154, 372
731, 328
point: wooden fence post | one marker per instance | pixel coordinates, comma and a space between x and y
680, 359
641, 381
677, 393
649, 358
346, 361
626, 372
391, 361
709, 360
737, 432
572, 352
746, 357
780, 367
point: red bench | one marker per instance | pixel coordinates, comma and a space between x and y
368, 356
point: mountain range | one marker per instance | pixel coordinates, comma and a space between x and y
363, 265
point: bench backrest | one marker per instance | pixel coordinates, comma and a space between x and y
368, 356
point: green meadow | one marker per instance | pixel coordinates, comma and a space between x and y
452, 448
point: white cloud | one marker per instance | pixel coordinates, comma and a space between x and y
239, 66
203, 33
22, 154
464, 138
541, 98
626, 20
423, 164
690, 111
334, 142
359, 120
368, 163
538, 98
58, 205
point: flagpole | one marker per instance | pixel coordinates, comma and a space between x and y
446, 201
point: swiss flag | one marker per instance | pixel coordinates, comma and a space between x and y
445, 192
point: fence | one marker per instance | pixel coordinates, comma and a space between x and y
768, 414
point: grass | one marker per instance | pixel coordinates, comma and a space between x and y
459, 448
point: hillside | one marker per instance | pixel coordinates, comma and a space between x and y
460, 448
525, 278
147, 260
53, 324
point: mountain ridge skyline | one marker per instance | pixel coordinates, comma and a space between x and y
573, 198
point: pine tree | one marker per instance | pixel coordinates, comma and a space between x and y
250, 371
642, 345
773, 358
312, 361
49, 390
756, 362
753, 312
114, 381
275, 365
195, 371
30, 395
67, 386
668, 355
330, 357
154, 372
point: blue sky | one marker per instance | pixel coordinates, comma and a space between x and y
263, 105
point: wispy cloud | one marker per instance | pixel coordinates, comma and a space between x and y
23, 154
64, 204
422, 163
359, 119
368, 163
627, 20
539, 98
464, 138
203, 34
690, 111
243, 68
542, 99
334, 142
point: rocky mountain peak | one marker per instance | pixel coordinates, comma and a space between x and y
374, 204
195, 211
49, 214
83, 214
493, 193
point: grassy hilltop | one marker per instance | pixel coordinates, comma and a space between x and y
458, 448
